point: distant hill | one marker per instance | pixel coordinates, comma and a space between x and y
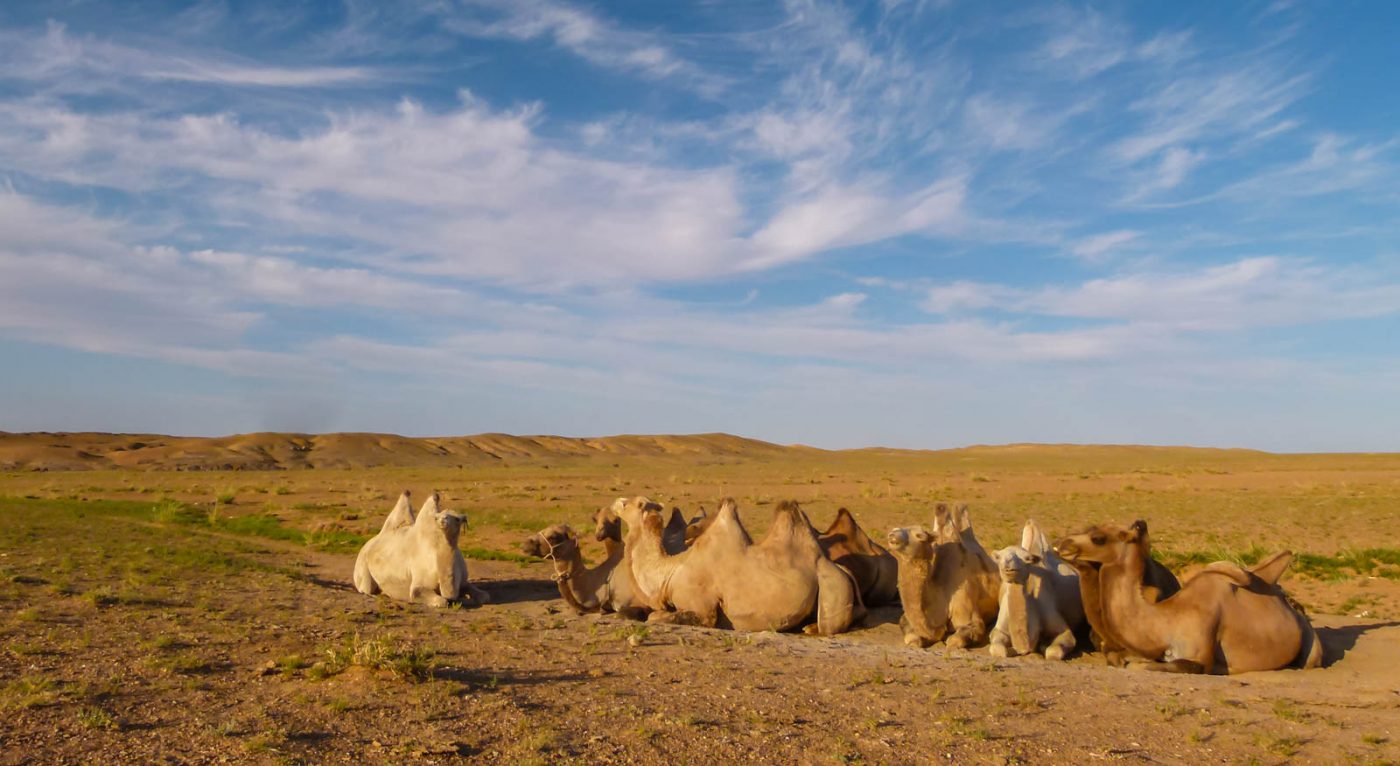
43, 451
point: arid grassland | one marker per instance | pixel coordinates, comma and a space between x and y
194, 616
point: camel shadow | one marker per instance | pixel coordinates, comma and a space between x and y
875, 616
323, 582
1338, 641
518, 591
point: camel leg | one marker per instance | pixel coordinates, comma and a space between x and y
1063, 642
426, 594
1061, 646
1171, 666
1000, 644
364, 581
972, 634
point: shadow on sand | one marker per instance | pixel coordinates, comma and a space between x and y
518, 591
1337, 641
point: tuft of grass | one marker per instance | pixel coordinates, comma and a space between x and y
404, 660
290, 664
29, 692
1374, 739
94, 717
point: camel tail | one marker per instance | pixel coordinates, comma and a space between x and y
1272, 568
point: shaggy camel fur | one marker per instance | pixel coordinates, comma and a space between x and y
875, 570
727, 579
1225, 619
416, 559
1063, 577
947, 582
1028, 614
1157, 583
606, 587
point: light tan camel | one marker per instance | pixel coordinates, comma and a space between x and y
1225, 619
875, 570
1028, 613
416, 558
607, 587
1158, 583
948, 585
725, 578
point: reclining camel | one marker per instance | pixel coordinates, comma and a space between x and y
947, 583
725, 578
606, 587
1225, 619
1157, 583
1028, 613
875, 570
416, 558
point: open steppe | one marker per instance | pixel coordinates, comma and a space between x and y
188, 600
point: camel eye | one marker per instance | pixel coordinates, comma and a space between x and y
1099, 540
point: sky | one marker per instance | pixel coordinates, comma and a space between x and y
910, 224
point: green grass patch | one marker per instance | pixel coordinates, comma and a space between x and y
1369, 562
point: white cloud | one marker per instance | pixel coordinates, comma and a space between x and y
57, 55
582, 33
1098, 245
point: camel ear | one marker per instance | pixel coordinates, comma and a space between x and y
568, 530
1139, 530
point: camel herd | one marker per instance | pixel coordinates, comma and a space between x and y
1099, 588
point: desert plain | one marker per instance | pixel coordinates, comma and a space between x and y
182, 600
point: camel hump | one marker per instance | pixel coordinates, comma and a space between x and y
1272, 568
1236, 573
844, 523
1033, 538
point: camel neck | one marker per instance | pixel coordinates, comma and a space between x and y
614, 549
1124, 603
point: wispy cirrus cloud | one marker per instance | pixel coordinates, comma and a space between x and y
58, 55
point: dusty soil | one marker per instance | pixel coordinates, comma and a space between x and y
205, 616
130, 640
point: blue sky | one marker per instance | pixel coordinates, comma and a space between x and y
918, 224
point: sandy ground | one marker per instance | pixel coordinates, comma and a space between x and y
188, 661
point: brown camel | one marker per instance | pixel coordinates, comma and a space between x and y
1158, 583
1225, 619
778, 583
606, 587
948, 584
875, 570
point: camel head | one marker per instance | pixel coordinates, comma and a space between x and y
911, 543
556, 542
1101, 544
1015, 563
607, 524
630, 509
451, 524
